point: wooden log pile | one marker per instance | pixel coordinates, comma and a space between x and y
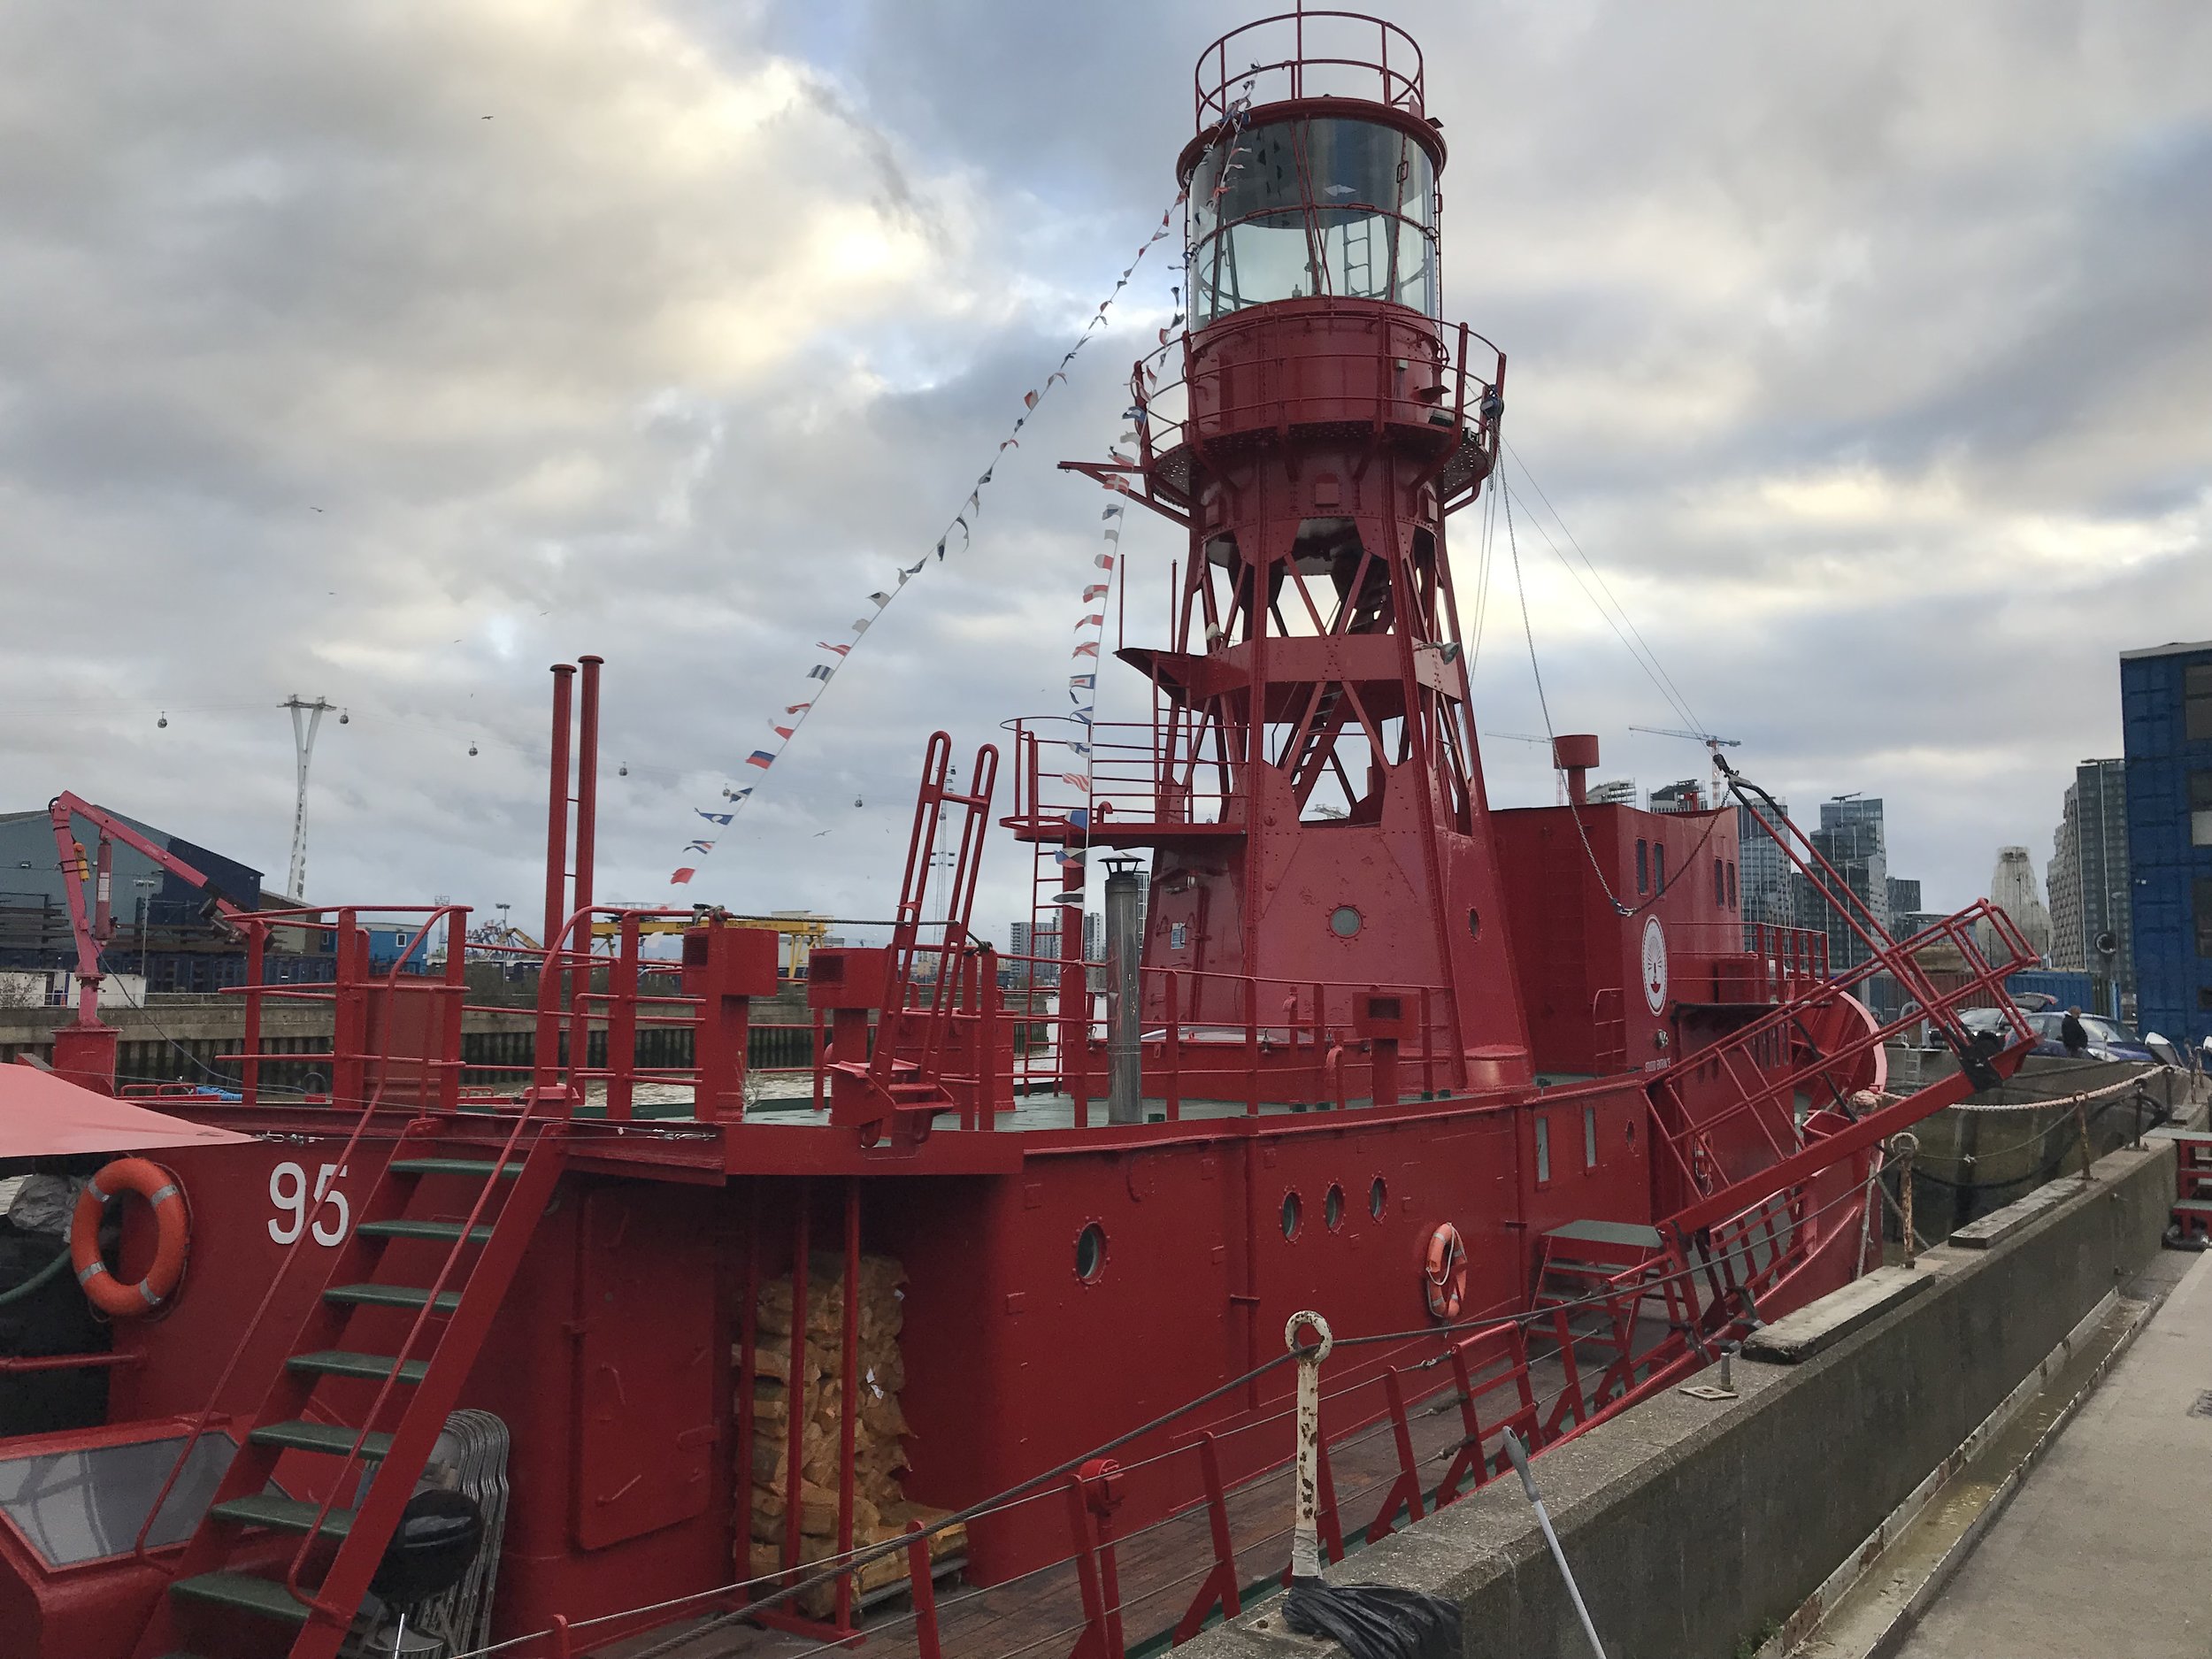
880, 1509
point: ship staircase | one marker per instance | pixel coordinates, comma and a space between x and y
373, 1364
1597, 1282
915, 1070
1752, 1132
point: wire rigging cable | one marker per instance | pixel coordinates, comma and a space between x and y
1513, 548
1641, 649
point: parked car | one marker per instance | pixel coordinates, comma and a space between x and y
2108, 1039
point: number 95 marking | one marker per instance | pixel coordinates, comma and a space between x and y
288, 1191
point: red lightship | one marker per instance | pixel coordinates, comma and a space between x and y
1516, 1099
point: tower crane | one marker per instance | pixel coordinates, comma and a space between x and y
1706, 738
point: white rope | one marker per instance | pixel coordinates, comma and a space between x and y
2056, 1103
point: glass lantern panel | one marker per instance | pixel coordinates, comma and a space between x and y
1294, 209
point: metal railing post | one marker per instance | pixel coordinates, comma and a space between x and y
1905, 1146
249, 1057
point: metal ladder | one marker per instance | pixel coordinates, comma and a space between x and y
1359, 260
1593, 1280
230, 1579
904, 1091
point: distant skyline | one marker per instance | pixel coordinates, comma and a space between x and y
390, 354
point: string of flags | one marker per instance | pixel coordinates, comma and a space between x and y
1083, 699
786, 725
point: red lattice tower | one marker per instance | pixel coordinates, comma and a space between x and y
1309, 783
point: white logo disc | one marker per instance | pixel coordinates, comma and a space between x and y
1655, 965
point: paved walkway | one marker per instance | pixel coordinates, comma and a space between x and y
2104, 1549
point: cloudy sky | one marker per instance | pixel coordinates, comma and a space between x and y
389, 352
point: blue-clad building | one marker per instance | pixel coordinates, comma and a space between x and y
2166, 721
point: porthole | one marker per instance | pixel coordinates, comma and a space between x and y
1378, 1196
1344, 920
1090, 1253
1333, 1208
1294, 1212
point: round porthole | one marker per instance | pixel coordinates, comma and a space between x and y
1344, 921
1090, 1253
1474, 923
1378, 1195
1333, 1208
1292, 1213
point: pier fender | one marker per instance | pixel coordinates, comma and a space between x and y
1446, 1271
165, 1194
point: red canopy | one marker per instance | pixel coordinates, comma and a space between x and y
43, 1116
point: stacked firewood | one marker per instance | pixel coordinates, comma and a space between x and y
880, 1511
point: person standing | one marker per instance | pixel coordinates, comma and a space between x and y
2073, 1034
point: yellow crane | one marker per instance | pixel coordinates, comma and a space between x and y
803, 931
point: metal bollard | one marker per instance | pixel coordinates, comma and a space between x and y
1305, 1540
1903, 1145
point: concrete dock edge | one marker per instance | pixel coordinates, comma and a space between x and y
1697, 1528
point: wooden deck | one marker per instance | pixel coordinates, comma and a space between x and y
1159, 1568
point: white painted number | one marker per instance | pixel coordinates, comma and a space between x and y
291, 1176
330, 1223
288, 1191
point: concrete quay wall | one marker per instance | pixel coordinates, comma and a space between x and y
1695, 1528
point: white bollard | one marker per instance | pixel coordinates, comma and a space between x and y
1305, 1537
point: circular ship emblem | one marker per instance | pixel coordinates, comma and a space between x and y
1655, 965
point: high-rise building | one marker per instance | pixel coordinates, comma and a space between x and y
1851, 839
2088, 882
2166, 720
1685, 796
1763, 871
2013, 889
1614, 792
1904, 900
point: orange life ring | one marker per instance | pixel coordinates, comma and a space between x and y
161, 1190
1446, 1271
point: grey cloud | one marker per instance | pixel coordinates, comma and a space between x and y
584, 359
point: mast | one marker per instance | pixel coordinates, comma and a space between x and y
1316, 812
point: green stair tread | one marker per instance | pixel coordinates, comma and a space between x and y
391, 1296
244, 1593
1620, 1233
444, 1231
511, 1168
298, 1434
2195, 1206
337, 1362
292, 1514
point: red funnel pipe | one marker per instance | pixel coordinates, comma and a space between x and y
1576, 753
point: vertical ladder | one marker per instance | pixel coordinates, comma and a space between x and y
1359, 260
919, 1011
222, 1589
